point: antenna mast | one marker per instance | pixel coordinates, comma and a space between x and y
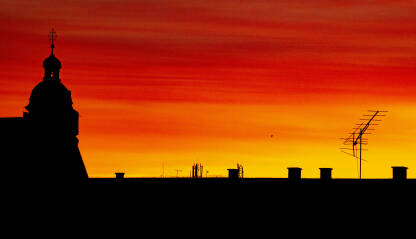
355, 139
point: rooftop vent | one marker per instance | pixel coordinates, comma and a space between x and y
294, 173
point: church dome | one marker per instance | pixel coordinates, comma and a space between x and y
51, 96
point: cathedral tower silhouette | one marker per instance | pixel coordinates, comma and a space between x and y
46, 136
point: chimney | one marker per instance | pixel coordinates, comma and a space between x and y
294, 173
119, 176
326, 173
399, 173
233, 173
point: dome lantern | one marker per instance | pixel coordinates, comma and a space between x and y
51, 64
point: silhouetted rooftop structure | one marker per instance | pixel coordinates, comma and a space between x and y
326, 173
233, 173
44, 141
294, 173
119, 175
399, 173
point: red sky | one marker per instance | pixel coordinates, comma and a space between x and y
176, 82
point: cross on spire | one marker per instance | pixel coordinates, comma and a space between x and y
52, 37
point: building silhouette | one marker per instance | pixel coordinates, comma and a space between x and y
43, 143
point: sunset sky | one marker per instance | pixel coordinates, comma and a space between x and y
164, 84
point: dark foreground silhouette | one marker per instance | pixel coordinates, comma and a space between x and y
43, 144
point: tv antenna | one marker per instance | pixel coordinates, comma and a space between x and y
356, 140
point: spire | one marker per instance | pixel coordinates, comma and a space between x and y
52, 37
51, 64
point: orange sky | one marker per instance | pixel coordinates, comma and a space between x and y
176, 82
